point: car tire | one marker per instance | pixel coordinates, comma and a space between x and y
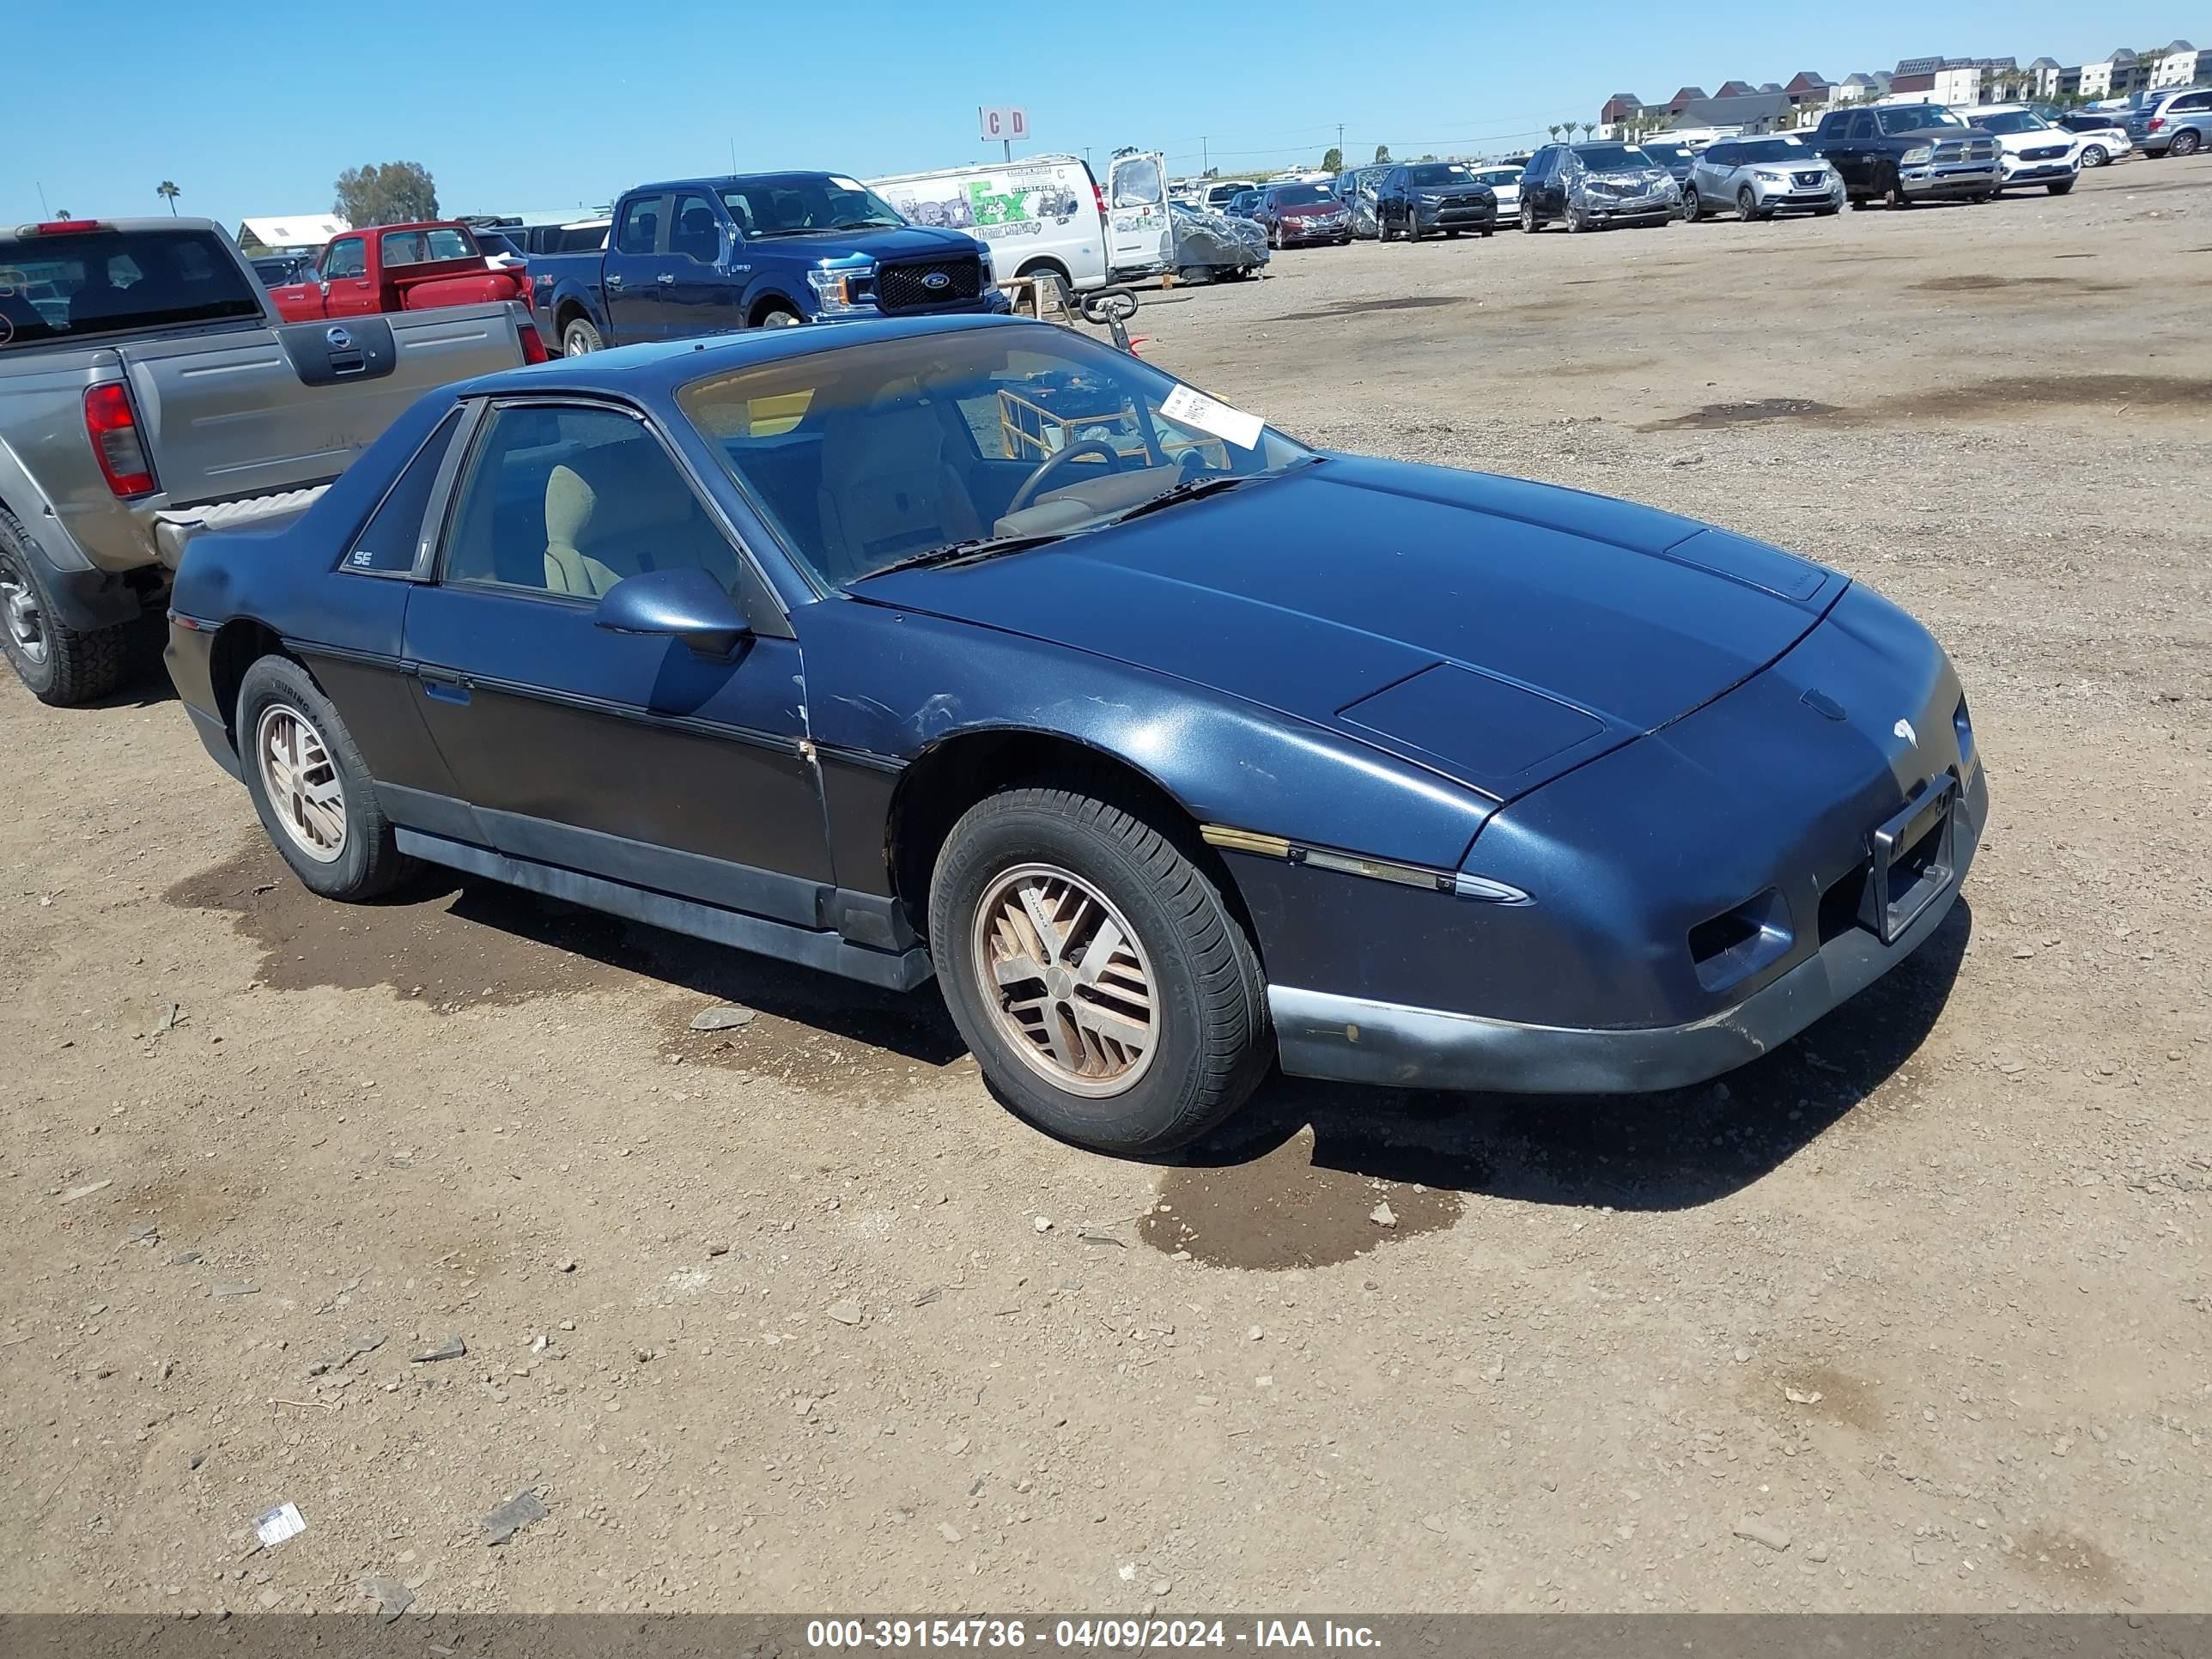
1529, 227
59, 665
1576, 222
1747, 204
2095, 156
1487, 230
1893, 196
1690, 205
779, 317
2059, 186
2184, 143
1828, 212
1185, 963
580, 336
310, 786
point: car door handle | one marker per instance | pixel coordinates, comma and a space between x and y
614, 281
666, 279
444, 685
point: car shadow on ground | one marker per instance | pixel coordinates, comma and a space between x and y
1660, 1151
913, 1025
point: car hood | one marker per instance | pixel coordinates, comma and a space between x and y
1472, 187
1627, 175
1497, 631
906, 242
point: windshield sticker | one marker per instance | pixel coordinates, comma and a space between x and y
843, 182
1189, 406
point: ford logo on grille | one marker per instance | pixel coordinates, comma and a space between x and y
338, 337
936, 280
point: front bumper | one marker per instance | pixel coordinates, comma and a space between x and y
2037, 172
1353, 1040
1294, 232
1456, 218
1778, 198
1951, 178
1609, 210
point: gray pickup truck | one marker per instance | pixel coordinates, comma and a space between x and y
148, 391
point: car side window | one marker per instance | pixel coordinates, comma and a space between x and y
395, 533
1862, 125
348, 256
641, 225
566, 501
693, 233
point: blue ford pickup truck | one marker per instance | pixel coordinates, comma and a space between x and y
703, 256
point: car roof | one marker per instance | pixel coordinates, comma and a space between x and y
657, 369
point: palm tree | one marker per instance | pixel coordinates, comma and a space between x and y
1588, 127
1554, 131
167, 190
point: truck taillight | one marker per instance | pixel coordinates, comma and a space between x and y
1101, 195
533, 342
112, 427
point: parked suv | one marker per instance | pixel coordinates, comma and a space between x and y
1901, 153
1759, 177
2030, 150
1594, 185
1418, 196
1355, 187
2174, 123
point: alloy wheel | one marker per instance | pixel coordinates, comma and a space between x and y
1747, 204
1067, 980
19, 612
2095, 156
1690, 205
2184, 143
301, 781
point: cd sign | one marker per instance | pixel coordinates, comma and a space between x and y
1007, 125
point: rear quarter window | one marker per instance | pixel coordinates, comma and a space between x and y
395, 534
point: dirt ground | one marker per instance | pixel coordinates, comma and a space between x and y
1912, 1314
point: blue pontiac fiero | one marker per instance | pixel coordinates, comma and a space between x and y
1169, 746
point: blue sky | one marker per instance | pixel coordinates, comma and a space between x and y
256, 109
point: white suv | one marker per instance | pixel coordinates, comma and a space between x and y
2030, 150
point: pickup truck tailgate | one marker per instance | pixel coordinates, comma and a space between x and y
284, 410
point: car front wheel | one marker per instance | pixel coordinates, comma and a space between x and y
1690, 205
1096, 973
1529, 217
310, 786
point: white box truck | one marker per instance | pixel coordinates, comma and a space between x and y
1048, 215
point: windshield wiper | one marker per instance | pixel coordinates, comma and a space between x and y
974, 551
871, 224
1209, 483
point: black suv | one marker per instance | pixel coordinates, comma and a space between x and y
1901, 153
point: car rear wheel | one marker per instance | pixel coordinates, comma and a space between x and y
310, 786
60, 666
2184, 143
579, 337
2095, 156
1103, 984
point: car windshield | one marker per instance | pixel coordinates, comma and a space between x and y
1767, 150
1912, 117
806, 205
1439, 173
1613, 158
1500, 175
95, 282
1664, 153
1301, 195
2017, 120
971, 440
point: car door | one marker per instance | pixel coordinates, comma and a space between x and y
632, 269
1137, 217
1388, 188
346, 287
1537, 183
1854, 150
628, 756
1710, 174
696, 297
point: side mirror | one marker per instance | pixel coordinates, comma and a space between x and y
688, 605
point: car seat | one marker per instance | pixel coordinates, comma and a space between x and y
888, 488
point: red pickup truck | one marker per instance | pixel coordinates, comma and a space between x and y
399, 268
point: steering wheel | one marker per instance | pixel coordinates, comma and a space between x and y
1051, 463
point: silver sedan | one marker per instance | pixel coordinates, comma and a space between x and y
1758, 178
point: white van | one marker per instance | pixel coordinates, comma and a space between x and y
1043, 215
